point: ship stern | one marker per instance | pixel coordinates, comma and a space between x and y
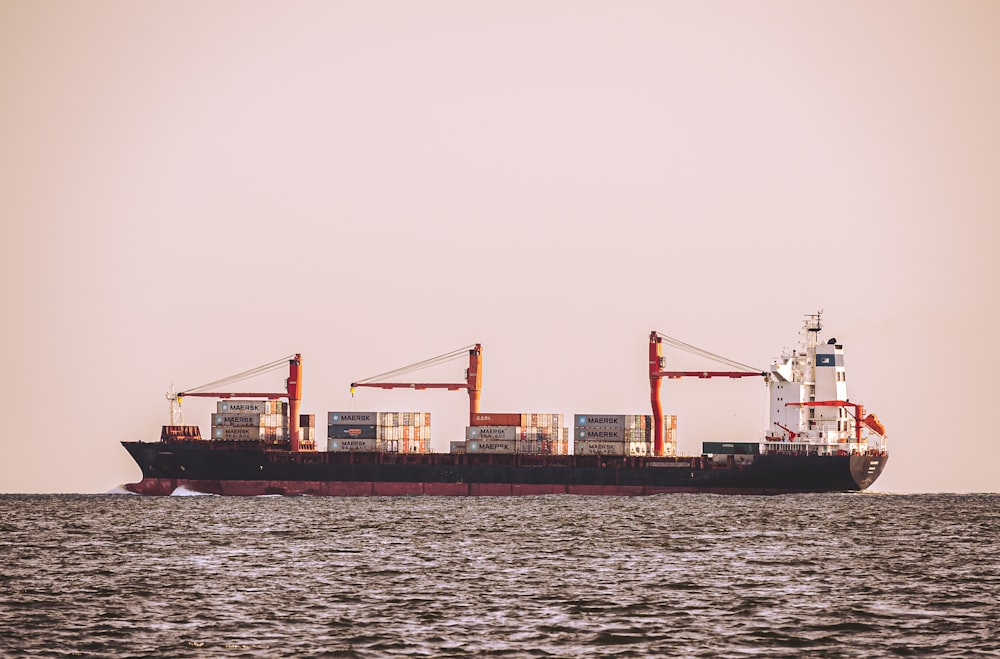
865, 469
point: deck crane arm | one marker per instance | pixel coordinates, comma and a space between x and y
657, 372
473, 376
293, 391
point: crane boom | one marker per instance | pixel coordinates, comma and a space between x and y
657, 373
473, 378
293, 392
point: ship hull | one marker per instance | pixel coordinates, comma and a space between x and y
250, 470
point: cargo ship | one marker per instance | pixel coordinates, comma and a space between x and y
818, 440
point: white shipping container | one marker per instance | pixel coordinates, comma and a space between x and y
242, 420
247, 406
352, 418
245, 434
612, 420
247, 420
491, 432
591, 447
603, 420
490, 446
251, 407
341, 444
599, 433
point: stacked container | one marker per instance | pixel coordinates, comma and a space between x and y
251, 420
390, 432
612, 434
529, 434
669, 435
352, 431
307, 432
404, 432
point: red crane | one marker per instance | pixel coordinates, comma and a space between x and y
656, 374
860, 419
293, 391
473, 376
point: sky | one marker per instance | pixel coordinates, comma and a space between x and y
191, 189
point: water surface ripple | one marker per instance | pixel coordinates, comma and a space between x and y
857, 575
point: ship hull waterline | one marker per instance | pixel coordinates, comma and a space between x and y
253, 471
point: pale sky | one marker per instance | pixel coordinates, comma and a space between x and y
191, 189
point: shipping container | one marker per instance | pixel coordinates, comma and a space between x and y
307, 420
598, 433
240, 420
247, 406
244, 434
456, 447
494, 419
492, 432
592, 447
252, 406
613, 420
490, 446
352, 432
352, 418
340, 444
245, 420
730, 448
604, 420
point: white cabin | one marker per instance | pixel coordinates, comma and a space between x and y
810, 411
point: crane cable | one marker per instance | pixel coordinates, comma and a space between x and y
253, 372
686, 347
433, 361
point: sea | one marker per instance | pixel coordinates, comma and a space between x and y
827, 575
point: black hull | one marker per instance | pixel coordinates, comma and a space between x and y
251, 469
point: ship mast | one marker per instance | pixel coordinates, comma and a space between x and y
293, 392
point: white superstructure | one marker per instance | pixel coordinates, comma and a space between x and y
810, 411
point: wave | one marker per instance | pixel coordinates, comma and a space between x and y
181, 491
120, 489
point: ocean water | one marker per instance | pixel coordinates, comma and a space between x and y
848, 575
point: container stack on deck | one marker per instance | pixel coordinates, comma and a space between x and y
670, 434
251, 420
525, 434
612, 434
405, 432
307, 432
388, 432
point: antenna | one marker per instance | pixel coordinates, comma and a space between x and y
176, 414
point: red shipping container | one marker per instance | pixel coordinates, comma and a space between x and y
491, 419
